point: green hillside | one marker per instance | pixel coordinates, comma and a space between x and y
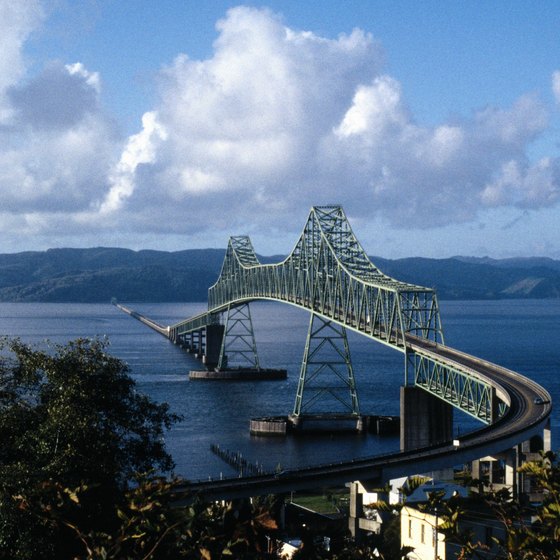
98, 274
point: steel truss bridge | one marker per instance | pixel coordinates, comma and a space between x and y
329, 274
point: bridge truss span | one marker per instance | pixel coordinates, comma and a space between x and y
329, 274
456, 378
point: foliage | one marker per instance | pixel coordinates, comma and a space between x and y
239, 530
412, 483
529, 532
152, 526
73, 430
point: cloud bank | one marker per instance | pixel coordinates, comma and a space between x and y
275, 121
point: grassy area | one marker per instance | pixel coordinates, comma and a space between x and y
326, 503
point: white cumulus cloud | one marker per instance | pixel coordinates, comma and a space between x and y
91, 78
17, 21
56, 143
556, 85
273, 121
140, 149
530, 187
279, 119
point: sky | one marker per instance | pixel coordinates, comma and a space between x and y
174, 124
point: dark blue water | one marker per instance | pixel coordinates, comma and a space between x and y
520, 335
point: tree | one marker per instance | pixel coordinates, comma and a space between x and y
71, 422
530, 532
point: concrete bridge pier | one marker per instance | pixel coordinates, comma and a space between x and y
425, 419
195, 346
498, 470
363, 493
356, 511
183, 340
213, 344
501, 470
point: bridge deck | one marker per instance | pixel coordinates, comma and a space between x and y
523, 420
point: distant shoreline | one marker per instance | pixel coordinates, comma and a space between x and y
96, 275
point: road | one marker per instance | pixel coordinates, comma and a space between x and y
524, 419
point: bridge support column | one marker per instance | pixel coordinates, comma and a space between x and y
547, 437
196, 343
510, 466
425, 419
501, 470
214, 337
356, 510
498, 470
326, 372
238, 347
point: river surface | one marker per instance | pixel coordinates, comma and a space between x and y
522, 335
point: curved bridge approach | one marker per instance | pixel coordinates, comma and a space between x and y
329, 274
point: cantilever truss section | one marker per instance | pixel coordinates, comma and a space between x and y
466, 392
329, 273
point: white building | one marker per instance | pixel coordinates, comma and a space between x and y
420, 524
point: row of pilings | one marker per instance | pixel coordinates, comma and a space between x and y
236, 460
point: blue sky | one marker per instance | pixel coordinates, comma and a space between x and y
174, 124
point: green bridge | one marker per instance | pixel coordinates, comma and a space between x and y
329, 274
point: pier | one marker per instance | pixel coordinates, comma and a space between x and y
239, 374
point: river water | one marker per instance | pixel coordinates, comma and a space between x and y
522, 335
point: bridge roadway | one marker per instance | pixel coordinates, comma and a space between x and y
529, 409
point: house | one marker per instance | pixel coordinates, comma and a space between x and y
421, 523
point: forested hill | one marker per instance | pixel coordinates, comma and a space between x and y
97, 275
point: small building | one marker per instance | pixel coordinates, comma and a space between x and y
363, 518
419, 532
286, 549
421, 523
